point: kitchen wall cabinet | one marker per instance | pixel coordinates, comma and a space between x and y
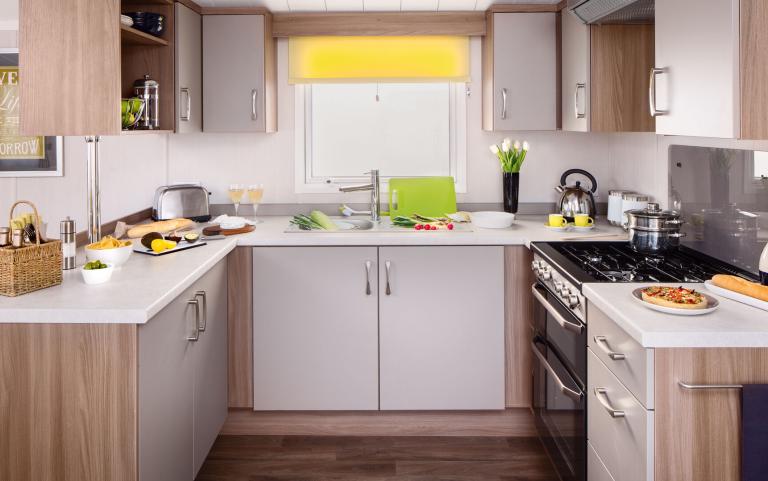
441, 327
239, 74
182, 393
576, 85
189, 70
711, 75
520, 71
315, 330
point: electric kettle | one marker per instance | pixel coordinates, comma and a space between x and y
575, 199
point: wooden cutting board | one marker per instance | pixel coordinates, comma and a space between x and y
217, 230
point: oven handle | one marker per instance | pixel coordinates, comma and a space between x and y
575, 395
564, 323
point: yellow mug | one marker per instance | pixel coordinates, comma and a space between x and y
583, 220
557, 220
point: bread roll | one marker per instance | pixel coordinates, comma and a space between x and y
161, 226
742, 286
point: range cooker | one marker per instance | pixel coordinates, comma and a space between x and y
560, 329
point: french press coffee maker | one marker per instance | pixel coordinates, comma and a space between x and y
148, 89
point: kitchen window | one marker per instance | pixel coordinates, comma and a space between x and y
343, 130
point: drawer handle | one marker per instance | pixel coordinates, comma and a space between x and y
368, 265
564, 323
575, 395
603, 345
701, 387
196, 336
602, 395
201, 294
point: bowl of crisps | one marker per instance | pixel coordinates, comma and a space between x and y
109, 250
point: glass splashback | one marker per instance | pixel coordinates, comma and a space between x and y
723, 196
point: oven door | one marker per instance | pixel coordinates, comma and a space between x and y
559, 407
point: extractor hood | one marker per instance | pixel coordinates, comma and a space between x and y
613, 11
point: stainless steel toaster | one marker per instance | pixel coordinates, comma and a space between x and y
181, 200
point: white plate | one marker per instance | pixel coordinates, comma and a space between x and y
738, 297
561, 229
712, 305
586, 228
492, 219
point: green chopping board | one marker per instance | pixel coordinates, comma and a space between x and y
429, 196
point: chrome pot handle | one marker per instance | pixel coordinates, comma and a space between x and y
575, 395
564, 323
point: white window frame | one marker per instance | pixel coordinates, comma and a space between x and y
305, 183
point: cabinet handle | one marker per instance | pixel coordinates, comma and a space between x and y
196, 335
202, 295
387, 266
185, 117
602, 396
503, 104
602, 343
579, 86
575, 395
253, 104
564, 323
652, 92
368, 265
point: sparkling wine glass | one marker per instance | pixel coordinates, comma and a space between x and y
255, 193
236, 192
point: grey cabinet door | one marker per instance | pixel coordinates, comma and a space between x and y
315, 331
233, 73
165, 393
210, 364
189, 70
525, 71
441, 328
576, 88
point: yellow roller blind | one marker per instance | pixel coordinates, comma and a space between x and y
378, 59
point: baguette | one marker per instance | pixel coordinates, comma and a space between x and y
742, 286
161, 226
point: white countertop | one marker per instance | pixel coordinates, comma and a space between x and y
732, 325
145, 284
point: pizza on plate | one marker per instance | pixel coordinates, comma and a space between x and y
674, 297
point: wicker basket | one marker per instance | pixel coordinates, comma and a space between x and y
32, 267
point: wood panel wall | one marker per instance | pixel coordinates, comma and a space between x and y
518, 314
68, 404
698, 433
754, 69
622, 57
240, 327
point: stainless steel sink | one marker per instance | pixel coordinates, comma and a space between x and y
346, 224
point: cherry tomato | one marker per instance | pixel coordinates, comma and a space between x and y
449, 226
418, 227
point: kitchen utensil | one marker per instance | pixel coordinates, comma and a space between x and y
181, 246
97, 276
654, 231
736, 296
631, 201
615, 214
181, 200
213, 237
68, 243
557, 220
429, 196
575, 199
116, 256
712, 305
217, 230
583, 220
492, 220
148, 89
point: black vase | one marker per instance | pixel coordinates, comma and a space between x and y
511, 189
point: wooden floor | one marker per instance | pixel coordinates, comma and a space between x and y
376, 458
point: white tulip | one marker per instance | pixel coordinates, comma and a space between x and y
506, 141
505, 146
526, 146
517, 145
495, 150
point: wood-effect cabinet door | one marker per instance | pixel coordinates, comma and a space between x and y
441, 333
576, 85
210, 362
524, 71
165, 392
698, 50
189, 70
315, 328
233, 73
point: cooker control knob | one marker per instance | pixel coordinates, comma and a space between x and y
535, 265
546, 273
573, 301
558, 286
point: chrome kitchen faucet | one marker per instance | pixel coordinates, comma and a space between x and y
375, 187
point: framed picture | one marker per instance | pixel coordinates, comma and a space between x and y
22, 156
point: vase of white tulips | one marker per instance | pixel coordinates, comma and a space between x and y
511, 157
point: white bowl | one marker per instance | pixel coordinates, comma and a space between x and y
116, 256
492, 219
97, 276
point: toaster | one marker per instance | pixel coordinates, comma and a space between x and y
181, 200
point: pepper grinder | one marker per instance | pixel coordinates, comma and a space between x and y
68, 244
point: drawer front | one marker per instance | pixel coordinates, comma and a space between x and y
625, 357
596, 470
624, 442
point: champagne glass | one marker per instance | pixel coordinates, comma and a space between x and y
236, 192
255, 193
